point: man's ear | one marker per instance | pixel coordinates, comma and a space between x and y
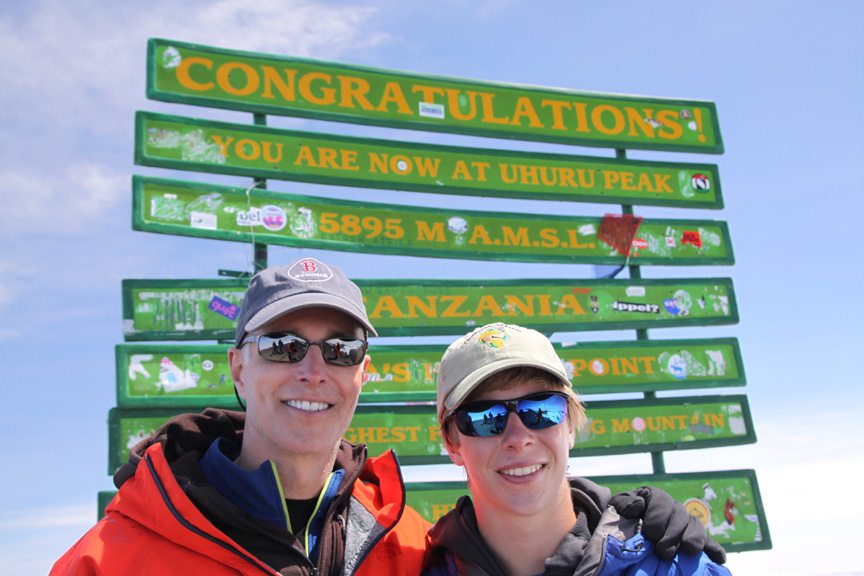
366, 361
235, 361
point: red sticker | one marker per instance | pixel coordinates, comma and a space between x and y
619, 230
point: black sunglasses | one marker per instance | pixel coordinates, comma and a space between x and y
489, 417
287, 347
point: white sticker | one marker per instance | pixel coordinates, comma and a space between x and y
635, 291
587, 230
670, 242
207, 365
203, 220
430, 110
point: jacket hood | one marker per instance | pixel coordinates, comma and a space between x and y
184, 434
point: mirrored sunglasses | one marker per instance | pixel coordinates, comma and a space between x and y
287, 347
489, 417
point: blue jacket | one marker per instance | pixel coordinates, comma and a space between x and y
602, 543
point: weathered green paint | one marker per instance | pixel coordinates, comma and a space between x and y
713, 497
207, 76
238, 149
614, 427
185, 310
163, 375
224, 213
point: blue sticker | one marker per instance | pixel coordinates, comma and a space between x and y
672, 306
224, 308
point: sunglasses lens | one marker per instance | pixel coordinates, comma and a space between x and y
537, 413
479, 421
282, 347
291, 348
343, 351
489, 418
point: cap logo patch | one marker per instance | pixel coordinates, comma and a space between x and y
493, 338
310, 270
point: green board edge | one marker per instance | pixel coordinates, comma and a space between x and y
206, 146
406, 373
707, 111
431, 499
669, 299
505, 236
377, 427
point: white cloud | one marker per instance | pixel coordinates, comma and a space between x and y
65, 62
59, 203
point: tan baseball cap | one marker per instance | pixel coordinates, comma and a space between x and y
488, 350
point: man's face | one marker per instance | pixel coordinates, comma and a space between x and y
520, 471
302, 408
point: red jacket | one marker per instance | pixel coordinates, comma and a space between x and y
152, 527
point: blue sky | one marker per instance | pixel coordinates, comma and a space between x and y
786, 77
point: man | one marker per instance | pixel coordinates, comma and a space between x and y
508, 414
275, 490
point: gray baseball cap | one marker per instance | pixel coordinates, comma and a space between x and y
307, 283
489, 350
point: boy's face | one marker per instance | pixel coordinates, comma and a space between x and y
519, 472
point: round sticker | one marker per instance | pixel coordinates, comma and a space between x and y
207, 365
273, 218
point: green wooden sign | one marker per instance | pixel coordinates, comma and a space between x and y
257, 151
728, 502
614, 427
154, 375
181, 309
409, 307
207, 76
223, 213
163, 375
207, 309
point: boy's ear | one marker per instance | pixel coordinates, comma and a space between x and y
453, 449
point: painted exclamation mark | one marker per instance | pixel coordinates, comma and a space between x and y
697, 116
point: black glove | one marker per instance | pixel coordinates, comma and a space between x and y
666, 523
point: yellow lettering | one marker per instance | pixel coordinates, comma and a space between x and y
427, 93
455, 301
427, 308
479, 233
223, 144
434, 233
455, 103
638, 120
326, 97
393, 95
568, 301
621, 425
461, 171
524, 108
355, 89
489, 111
185, 78
487, 303
518, 238
671, 128
558, 107
223, 78
597, 119
386, 304
514, 304
271, 78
